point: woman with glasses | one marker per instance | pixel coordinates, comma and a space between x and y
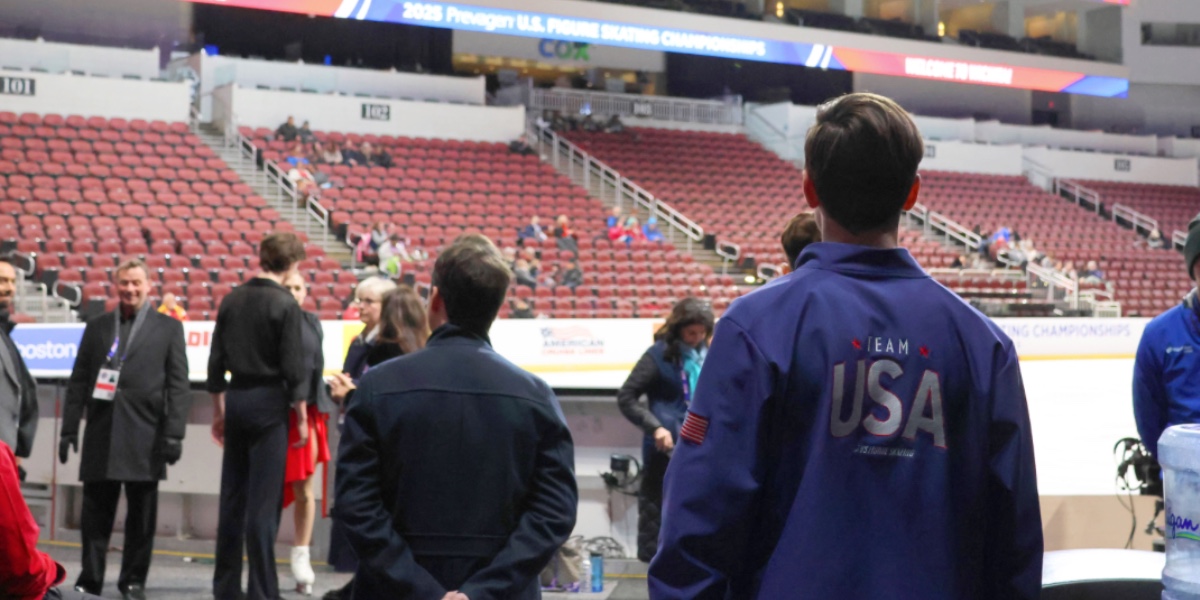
369, 298
398, 325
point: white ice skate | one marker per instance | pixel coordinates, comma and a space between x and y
302, 570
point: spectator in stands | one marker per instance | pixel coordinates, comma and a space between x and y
305, 134
376, 159
587, 123
380, 233
544, 120
18, 389
363, 253
510, 256
801, 231
521, 146
329, 154
573, 277
633, 231
1067, 269
287, 132
614, 219
520, 310
532, 231
524, 274
298, 154
394, 253
351, 156
962, 261
302, 178
548, 278
1092, 274
533, 257
170, 307
560, 123
651, 231
564, 236
614, 125
1155, 239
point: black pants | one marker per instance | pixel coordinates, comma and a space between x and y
99, 508
650, 504
252, 472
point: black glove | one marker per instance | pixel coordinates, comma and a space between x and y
170, 450
65, 444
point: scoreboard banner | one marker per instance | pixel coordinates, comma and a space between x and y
574, 29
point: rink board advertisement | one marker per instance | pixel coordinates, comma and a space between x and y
588, 353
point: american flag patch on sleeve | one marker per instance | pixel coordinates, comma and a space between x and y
695, 428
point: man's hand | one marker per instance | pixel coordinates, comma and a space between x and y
455, 596
218, 429
170, 450
65, 444
663, 440
218, 424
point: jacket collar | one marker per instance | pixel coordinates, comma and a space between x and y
451, 334
851, 259
264, 282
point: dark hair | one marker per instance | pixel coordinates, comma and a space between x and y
801, 231
279, 251
686, 312
402, 319
472, 279
862, 156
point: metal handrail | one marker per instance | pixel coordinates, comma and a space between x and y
584, 167
1139, 221
1054, 279
1032, 167
1178, 239
1078, 193
935, 222
663, 108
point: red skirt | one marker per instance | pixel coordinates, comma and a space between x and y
302, 462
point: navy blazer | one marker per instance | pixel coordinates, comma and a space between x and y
456, 472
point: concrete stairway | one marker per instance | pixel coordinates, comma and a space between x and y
33, 299
244, 164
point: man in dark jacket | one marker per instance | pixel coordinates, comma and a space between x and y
18, 391
456, 474
131, 375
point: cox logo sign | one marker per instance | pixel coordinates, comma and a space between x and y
564, 50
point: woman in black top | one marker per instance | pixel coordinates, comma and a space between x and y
403, 329
258, 339
302, 461
666, 374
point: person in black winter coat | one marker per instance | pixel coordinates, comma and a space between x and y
666, 375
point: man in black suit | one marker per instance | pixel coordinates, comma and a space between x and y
131, 375
18, 390
456, 473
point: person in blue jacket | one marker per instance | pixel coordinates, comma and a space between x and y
456, 474
1166, 374
858, 431
665, 375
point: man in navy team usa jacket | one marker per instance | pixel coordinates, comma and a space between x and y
858, 431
